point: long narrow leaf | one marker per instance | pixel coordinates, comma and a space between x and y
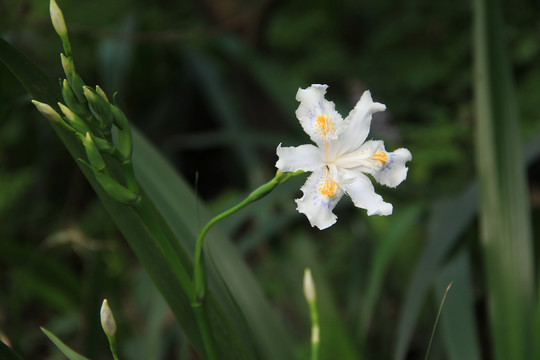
505, 215
234, 287
449, 218
7, 354
166, 261
175, 200
66, 350
384, 252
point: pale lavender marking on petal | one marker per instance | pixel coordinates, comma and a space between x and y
387, 166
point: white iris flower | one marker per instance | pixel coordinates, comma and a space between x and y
341, 158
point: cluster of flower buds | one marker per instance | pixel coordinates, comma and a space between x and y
94, 120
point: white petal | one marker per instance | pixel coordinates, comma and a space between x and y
316, 205
363, 196
304, 157
394, 171
318, 116
364, 158
357, 123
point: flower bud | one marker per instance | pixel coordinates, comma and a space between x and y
47, 111
59, 25
119, 118
71, 100
103, 145
101, 93
75, 81
92, 152
99, 107
125, 141
309, 286
115, 190
107, 319
76, 122
57, 19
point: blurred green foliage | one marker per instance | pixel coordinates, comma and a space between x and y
212, 83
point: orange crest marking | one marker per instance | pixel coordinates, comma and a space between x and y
324, 125
328, 187
380, 156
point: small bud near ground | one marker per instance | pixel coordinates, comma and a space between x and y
309, 286
309, 293
107, 319
109, 327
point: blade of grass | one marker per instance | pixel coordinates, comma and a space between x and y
437, 321
458, 324
505, 216
449, 218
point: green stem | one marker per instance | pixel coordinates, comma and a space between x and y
113, 346
201, 315
199, 277
315, 331
263, 190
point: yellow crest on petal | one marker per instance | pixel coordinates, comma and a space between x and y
380, 156
328, 187
324, 125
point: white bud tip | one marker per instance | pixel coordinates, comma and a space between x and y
47, 111
309, 286
107, 319
57, 19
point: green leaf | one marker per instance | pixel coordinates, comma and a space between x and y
66, 350
38, 85
505, 215
449, 218
385, 250
163, 237
229, 278
6, 353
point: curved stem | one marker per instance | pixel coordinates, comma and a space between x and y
199, 277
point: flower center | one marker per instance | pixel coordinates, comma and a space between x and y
328, 187
324, 125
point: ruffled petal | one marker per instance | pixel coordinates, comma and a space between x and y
303, 157
318, 116
394, 171
363, 196
357, 123
321, 194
